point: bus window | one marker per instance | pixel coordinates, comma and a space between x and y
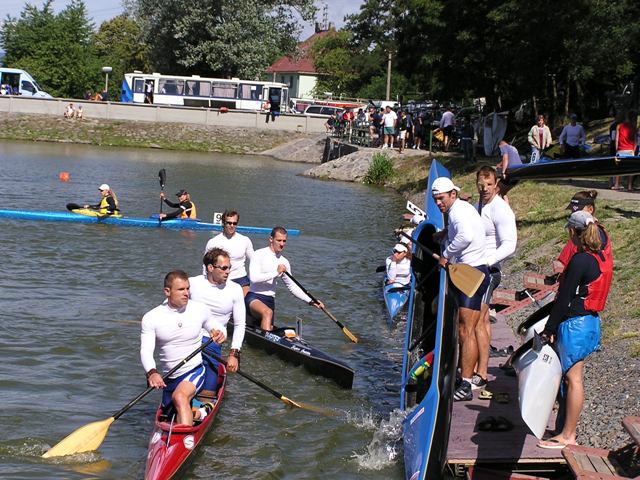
138, 85
197, 88
223, 90
250, 92
171, 86
27, 86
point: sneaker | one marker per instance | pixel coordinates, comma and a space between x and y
463, 392
477, 382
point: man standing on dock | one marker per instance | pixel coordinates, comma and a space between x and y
501, 236
266, 266
465, 244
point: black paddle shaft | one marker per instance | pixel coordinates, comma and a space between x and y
426, 250
165, 377
250, 378
162, 177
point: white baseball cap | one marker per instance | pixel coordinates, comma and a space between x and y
104, 186
400, 248
443, 185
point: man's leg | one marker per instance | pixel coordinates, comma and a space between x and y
468, 344
263, 313
181, 398
483, 340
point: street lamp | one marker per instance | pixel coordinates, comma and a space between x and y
106, 71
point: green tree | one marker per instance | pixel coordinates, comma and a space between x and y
56, 49
225, 38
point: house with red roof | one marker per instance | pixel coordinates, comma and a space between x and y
298, 71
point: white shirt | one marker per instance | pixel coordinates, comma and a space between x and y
399, 272
573, 135
222, 301
177, 333
501, 234
239, 249
465, 234
390, 119
263, 273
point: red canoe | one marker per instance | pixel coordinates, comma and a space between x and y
171, 445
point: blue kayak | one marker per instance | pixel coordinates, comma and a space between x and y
395, 297
175, 224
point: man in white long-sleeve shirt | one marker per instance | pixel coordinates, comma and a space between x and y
223, 298
175, 328
465, 244
238, 246
501, 237
267, 264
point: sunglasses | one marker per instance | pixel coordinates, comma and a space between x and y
231, 223
224, 268
397, 251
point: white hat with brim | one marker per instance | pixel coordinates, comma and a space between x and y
443, 185
400, 248
104, 186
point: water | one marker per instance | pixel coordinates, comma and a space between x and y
73, 295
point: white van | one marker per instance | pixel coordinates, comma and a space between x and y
22, 81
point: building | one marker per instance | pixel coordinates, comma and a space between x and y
298, 71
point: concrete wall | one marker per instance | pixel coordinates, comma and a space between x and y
156, 113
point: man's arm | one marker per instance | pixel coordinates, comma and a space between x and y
461, 241
507, 234
147, 347
255, 270
293, 288
239, 319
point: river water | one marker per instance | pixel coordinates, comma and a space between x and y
72, 296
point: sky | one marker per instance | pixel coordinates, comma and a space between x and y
101, 10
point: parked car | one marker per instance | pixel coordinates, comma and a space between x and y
322, 110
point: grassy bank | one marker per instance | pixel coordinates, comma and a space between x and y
119, 133
541, 217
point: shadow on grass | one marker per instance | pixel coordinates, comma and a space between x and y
544, 221
623, 212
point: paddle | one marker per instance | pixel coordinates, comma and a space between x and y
344, 329
278, 395
162, 176
89, 437
466, 278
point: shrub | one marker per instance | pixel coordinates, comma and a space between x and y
380, 170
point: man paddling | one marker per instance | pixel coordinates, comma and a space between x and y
223, 299
267, 264
175, 328
238, 246
501, 236
465, 244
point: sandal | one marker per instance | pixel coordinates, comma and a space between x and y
485, 395
551, 444
486, 424
502, 397
502, 425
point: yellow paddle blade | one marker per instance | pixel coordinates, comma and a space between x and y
351, 336
85, 439
466, 278
307, 406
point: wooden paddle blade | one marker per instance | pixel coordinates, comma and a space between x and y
85, 439
312, 408
351, 336
466, 278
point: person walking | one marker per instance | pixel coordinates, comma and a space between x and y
539, 138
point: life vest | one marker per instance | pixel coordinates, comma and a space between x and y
103, 206
598, 290
192, 213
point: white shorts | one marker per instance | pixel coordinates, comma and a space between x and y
403, 134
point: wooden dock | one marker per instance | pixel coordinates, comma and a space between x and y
513, 450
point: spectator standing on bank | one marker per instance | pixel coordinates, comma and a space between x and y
418, 132
468, 134
389, 120
626, 144
402, 130
572, 138
539, 138
447, 123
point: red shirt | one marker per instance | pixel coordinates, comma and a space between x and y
627, 136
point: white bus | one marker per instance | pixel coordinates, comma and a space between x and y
196, 91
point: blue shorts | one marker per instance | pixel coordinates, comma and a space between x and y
195, 376
494, 280
210, 364
242, 281
268, 300
474, 303
577, 338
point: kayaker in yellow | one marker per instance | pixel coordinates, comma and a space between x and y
186, 208
108, 204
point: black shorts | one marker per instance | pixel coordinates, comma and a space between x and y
474, 303
447, 130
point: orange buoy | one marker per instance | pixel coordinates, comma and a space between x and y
64, 176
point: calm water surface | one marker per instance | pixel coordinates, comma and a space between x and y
72, 297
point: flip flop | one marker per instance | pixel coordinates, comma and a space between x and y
486, 424
502, 397
551, 444
502, 425
485, 395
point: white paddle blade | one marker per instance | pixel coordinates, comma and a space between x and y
466, 278
85, 439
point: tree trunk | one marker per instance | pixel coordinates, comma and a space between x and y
565, 113
580, 99
554, 101
534, 103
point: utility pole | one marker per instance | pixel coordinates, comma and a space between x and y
388, 95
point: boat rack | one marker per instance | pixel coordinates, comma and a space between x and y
537, 288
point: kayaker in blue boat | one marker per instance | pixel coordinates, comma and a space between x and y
238, 246
464, 243
186, 207
224, 299
574, 324
175, 328
267, 265
398, 266
501, 237
108, 204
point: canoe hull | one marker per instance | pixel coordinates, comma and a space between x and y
175, 224
575, 168
394, 299
170, 446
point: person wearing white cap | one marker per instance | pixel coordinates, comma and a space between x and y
398, 266
465, 244
186, 207
108, 204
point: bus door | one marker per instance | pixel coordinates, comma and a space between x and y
274, 95
138, 89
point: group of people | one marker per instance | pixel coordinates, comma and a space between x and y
7, 89
73, 112
197, 309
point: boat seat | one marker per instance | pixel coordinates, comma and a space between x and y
598, 464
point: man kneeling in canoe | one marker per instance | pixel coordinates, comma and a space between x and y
175, 327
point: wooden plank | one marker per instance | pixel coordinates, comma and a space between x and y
632, 425
601, 464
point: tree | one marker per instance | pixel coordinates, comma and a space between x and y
224, 38
56, 49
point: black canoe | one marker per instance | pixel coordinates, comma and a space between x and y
574, 168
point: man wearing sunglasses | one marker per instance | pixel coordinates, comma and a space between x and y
267, 265
238, 246
223, 299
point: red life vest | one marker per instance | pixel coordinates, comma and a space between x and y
598, 290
